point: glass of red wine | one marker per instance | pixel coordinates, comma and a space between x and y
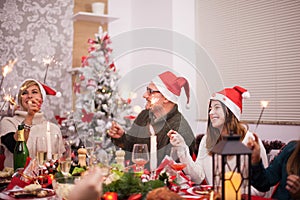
140, 156
176, 165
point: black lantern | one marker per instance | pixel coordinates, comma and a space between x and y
231, 169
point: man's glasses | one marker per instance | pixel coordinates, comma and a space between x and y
151, 91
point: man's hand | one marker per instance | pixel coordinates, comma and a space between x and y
116, 131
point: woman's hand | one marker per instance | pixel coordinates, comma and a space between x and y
34, 106
176, 139
116, 131
89, 187
293, 186
254, 146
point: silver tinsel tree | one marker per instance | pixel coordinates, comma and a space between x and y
97, 100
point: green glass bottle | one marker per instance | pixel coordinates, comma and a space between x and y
21, 151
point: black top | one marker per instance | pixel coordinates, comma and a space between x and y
139, 133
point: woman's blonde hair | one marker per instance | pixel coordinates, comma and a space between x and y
23, 87
231, 124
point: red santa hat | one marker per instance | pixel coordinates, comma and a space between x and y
45, 90
233, 99
170, 86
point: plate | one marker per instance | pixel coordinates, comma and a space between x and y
40, 193
4, 182
199, 190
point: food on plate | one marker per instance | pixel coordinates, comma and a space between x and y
32, 187
6, 172
40, 192
163, 193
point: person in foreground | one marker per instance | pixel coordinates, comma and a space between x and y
284, 170
89, 187
31, 96
225, 108
161, 111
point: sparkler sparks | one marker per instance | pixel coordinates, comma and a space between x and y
263, 104
6, 69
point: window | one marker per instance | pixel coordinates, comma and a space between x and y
256, 44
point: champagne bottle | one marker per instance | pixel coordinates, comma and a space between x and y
21, 151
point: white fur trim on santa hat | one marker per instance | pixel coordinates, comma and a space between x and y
164, 91
229, 103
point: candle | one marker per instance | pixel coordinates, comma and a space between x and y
153, 149
49, 153
233, 181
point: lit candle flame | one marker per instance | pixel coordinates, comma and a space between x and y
264, 104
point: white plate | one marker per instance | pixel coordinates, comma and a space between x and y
200, 192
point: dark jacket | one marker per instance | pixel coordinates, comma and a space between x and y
139, 133
263, 179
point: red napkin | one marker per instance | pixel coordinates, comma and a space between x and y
16, 180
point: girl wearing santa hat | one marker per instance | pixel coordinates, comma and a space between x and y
31, 96
225, 109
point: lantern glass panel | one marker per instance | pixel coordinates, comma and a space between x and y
231, 170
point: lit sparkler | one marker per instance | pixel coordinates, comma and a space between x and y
263, 104
6, 98
6, 69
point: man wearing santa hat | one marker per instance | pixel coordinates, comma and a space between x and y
31, 96
161, 112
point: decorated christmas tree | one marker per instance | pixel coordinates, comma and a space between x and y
97, 100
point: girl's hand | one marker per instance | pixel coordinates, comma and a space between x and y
176, 139
254, 146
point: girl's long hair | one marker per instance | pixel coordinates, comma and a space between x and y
293, 163
231, 124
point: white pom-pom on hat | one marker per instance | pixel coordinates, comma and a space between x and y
246, 95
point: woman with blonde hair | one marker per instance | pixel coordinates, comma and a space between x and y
31, 96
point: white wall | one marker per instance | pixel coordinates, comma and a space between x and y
137, 66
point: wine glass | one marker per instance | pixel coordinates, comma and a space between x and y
65, 160
176, 165
55, 146
41, 150
89, 143
140, 156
